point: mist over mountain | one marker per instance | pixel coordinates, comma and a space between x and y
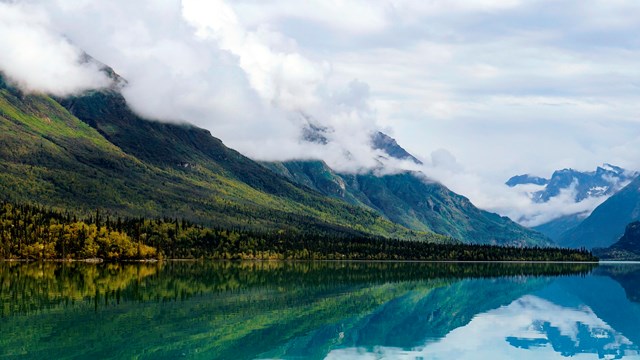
605, 180
607, 222
238, 191
579, 192
197, 69
413, 200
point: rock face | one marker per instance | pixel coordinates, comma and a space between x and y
627, 248
382, 141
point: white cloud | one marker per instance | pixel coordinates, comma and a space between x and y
38, 59
507, 87
514, 202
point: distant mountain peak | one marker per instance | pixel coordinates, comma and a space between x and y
605, 181
384, 142
526, 179
315, 133
612, 168
117, 81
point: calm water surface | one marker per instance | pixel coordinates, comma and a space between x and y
216, 310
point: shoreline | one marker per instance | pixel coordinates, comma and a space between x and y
102, 261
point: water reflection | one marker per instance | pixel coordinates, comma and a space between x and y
318, 310
530, 327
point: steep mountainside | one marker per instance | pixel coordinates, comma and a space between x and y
106, 157
413, 201
91, 151
627, 247
384, 142
607, 222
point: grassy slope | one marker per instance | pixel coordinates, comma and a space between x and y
141, 168
413, 202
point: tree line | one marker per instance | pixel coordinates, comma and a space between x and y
35, 232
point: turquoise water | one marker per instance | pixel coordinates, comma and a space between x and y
333, 310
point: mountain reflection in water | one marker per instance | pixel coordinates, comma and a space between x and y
319, 310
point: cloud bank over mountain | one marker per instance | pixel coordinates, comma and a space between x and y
38, 58
194, 61
477, 90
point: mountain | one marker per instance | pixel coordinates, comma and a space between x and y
315, 133
382, 141
526, 179
626, 248
607, 222
412, 200
605, 181
91, 151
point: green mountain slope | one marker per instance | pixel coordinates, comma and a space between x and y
119, 162
607, 222
413, 201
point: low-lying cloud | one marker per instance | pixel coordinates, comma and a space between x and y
37, 58
515, 202
195, 61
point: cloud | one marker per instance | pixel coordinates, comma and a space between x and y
506, 87
196, 62
514, 202
37, 59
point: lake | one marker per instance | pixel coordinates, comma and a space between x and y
319, 310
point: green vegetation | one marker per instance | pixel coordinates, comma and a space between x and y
91, 151
116, 161
414, 202
31, 232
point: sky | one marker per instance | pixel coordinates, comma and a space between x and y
480, 90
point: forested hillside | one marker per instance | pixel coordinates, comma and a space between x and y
414, 201
32, 232
137, 167
90, 151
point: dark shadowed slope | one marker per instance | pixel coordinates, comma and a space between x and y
607, 222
